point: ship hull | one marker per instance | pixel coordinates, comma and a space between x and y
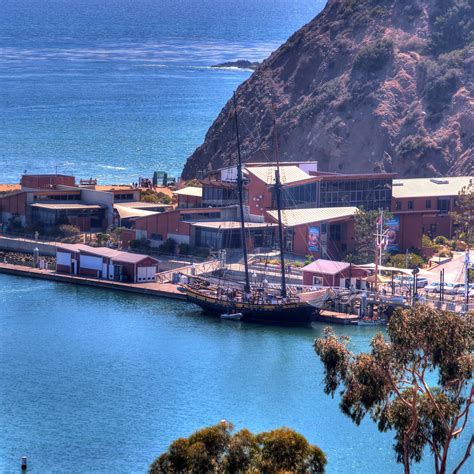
296, 314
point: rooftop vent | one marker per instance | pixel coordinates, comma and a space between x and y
439, 180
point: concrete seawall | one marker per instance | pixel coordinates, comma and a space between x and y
164, 290
27, 246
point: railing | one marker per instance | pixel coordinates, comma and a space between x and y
190, 270
28, 263
45, 239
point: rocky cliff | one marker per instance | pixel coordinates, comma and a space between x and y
368, 85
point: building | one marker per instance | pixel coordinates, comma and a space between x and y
213, 227
45, 202
303, 187
105, 263
228, 235
332, 273
299, 188
423, 206
320, 232
189, 197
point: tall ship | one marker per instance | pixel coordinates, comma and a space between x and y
257, 303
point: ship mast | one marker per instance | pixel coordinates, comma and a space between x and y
278, 187
240, 186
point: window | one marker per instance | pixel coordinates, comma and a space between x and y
443, 205
410, 205
317, 281
399, 205
335, 232
428, 204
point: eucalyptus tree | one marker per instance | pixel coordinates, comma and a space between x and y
393, 383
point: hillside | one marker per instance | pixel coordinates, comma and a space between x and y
368, 85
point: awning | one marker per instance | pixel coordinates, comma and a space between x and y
126, 212
381, 268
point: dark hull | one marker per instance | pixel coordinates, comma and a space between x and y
287, 315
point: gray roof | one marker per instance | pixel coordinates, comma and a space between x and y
429, 187
294, 217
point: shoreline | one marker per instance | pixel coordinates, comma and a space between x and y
164, 290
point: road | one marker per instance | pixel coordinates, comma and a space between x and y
453, 270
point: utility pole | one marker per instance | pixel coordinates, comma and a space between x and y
380, 237
466, 277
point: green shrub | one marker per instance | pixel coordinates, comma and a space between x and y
168, 246
441, 81
452, 25
426, 241
374, 56
441, 240
142, 244
102, 239
410, 260
183, 249
413, 146
156, 198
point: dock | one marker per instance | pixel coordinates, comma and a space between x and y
334, 317
164, 290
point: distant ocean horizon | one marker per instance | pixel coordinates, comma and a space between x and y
115, 89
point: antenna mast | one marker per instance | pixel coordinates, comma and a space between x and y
240, 186
278, 187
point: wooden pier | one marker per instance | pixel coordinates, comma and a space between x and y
165, 290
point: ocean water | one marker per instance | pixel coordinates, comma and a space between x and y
92, 381
96, 381
115, 89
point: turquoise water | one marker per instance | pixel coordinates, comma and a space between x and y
94, 381
115, 89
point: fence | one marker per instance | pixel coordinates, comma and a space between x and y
29, 263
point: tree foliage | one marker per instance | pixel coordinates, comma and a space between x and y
391, 383
365, 229
402, 260
374, 56
464, 215
216, 449
452, 25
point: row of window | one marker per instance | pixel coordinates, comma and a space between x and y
123, 197
356, 185
212, 193
354, 197
200, 216
443, 205
57, 197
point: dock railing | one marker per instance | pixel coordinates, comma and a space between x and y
190, 270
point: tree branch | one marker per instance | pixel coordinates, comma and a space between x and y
466, 455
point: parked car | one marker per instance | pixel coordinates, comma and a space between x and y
454, 288
433, 287
421, 282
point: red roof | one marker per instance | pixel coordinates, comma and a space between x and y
326, 267
115, 255
127, 257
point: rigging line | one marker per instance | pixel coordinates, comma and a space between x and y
252, 135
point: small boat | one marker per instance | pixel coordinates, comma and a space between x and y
232, 316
